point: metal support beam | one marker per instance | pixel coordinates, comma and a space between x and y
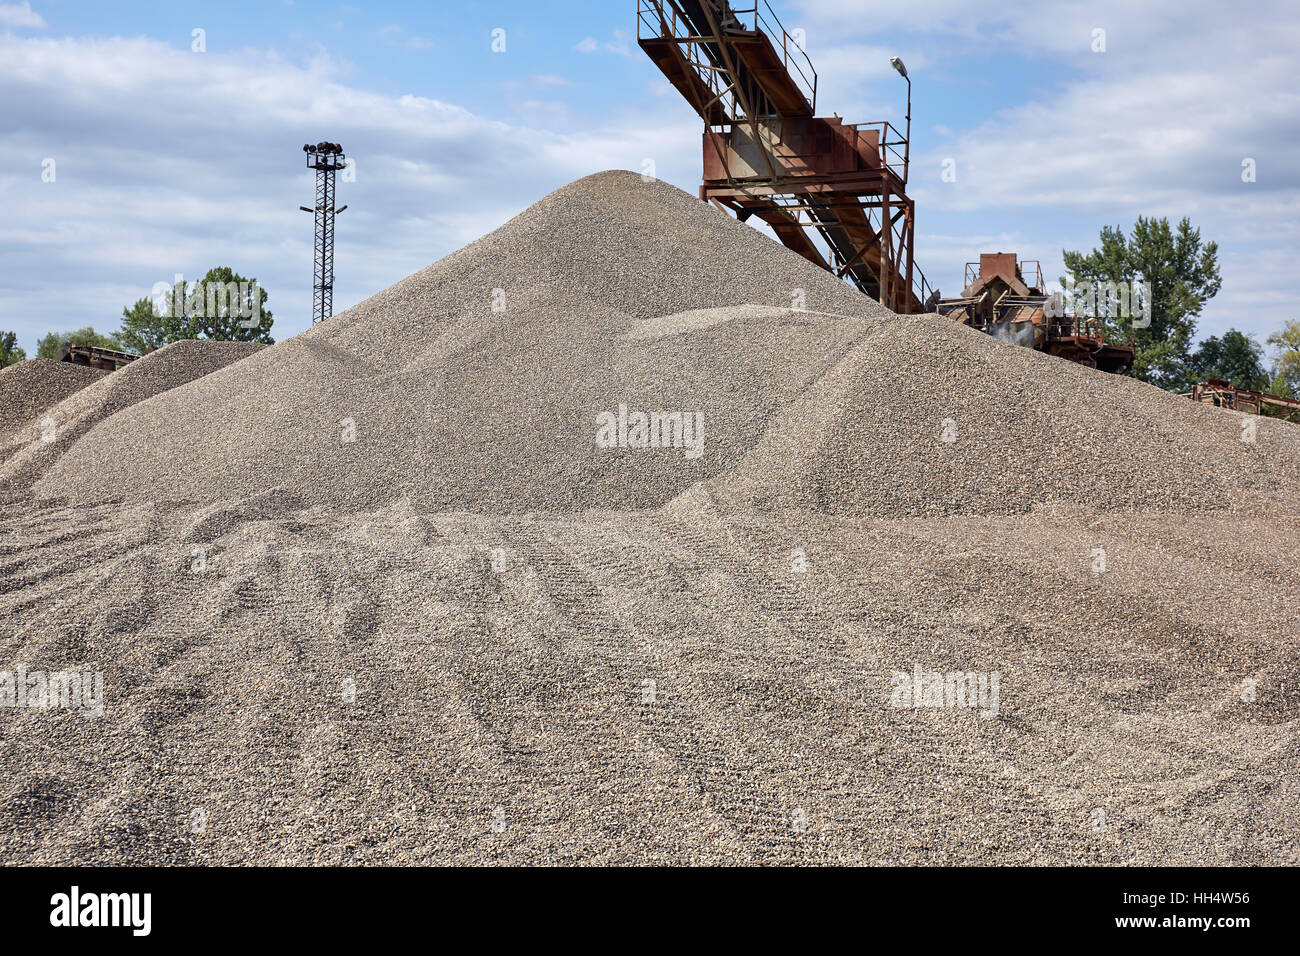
833, 192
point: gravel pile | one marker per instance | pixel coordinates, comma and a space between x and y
41, 442
927, 417
615, 292
28, 388
430, 364
377, 595
638, 688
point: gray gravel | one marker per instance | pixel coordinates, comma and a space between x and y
28, 388
636, 687
60, 426
472, 636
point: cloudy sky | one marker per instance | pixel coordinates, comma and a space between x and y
174, 134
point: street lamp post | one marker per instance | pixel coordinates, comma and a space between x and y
907, 142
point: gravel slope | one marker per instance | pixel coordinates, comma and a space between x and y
519, 698
619, 292
473, 636
41, 443
29, 388
428, 362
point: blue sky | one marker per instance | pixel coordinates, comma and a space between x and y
170, 161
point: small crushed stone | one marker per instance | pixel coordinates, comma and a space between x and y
618, 291
43, 440
28, 388
471, 635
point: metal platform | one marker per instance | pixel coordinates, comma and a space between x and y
110, 360
1224, 394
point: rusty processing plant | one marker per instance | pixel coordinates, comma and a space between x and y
767, 153
834, 192
1005, 296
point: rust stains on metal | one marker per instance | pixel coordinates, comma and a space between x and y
1005, 296
108, 359
1216, 391
834, 192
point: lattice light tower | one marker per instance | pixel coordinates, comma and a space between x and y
326, 159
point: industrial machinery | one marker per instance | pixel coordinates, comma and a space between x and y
1224, 394
834, 192
110, 360
1004, 296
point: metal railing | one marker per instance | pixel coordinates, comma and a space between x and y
1030, 271
1101, 325
791, 50
652, 21
893, 146
1076, 326
664, 19
922, 289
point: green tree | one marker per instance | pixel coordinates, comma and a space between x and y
10, 353
223, 305
1235, 358
1183, 274
1286, 364
239, 316
145, 328
51, 346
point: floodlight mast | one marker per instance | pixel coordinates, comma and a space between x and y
326, 159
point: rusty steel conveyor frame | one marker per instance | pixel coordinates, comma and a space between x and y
767, 154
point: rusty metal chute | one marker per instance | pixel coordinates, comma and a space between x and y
767, 154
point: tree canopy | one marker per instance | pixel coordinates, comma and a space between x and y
50, 346
223, 305
1234, 357
1183, 274
1285, 381
10, 353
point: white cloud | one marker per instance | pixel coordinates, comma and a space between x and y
20, 15
1136, 31
620, 44
169, 162
549, 79
392, 33
858, 76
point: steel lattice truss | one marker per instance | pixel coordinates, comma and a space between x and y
326, 159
